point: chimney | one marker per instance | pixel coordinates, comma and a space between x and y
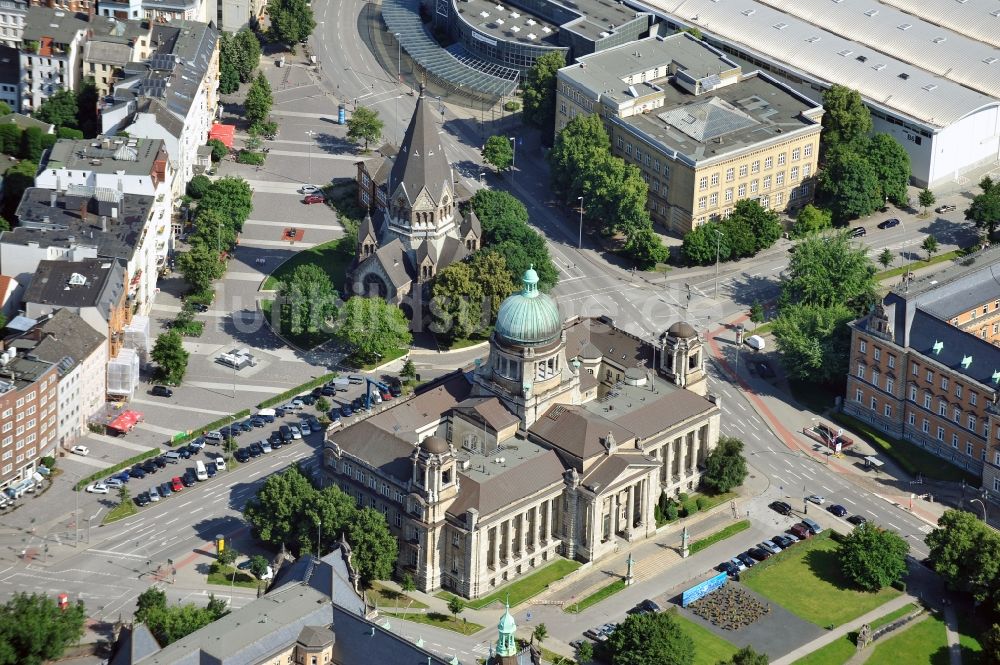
52, 199
114, 212
106, 143
104, 223
83, 210
121, 184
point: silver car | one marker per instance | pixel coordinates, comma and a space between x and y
304, 428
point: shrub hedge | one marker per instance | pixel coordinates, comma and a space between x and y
298, 390
215, 424
104, 473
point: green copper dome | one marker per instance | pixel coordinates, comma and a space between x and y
528, 318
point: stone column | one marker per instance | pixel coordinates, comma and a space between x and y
496, 546
522, 534
630, 512
548, 519
683, 468
669, 457
538, 526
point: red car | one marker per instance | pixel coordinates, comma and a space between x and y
176, 484
314, 198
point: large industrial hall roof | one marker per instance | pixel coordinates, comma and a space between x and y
889, 82
975, 18
909, 38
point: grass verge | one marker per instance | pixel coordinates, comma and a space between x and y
525, 588
367, 367
719, 536
709, 648
911, 457
104, 473
917, 265
924, 643
215, 424
333, 257
121, 511
596, 597
439, 620
840, 651
223, 576
390, 598
808, 581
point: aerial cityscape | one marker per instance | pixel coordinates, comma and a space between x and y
462, 332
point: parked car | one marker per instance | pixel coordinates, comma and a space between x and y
346, 411
154, 494
314, 198
801, 531
783, 541
255, 450
764, 370
297, 403
189, 478
176, 484
857, 232
137, 472
857, 520
395, 389
124, 476
114, 482
246, 425
211, 469
142, 499
166, 490
308, 400
161, 391
770, 546
308, 189
220, 464
183, 452
355, 379
80, 450
816, 498
98, 488
889, 223
738, 563
160, 462
305, 428
314, 425
729, 568
286, 433
242, 455
274, 438
328, 391
265, 447
746, 559
149, 466
945, 208
215, 437
296, 432
780, 507
837, 510
758, 554
813, 527
645, 607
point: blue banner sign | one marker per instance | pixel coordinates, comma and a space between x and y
699, 591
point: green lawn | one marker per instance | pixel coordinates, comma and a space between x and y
366, 367
387, 598
912, 458
439, 620
807, 580
333, 257
120, 512
840, 651
924, 643
709, 648
916, 265
972, 650
525, 588
718, 536
596, 597
224, 577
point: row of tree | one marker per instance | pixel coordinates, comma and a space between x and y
613, 192
288, 511
749, 229
292, 21
239, 55
506, 232
861, 171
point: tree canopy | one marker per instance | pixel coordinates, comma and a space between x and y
891, 163
539, 87
457, 303
749, 229
746, 656
373, 328
849, 185
292, 21
201, 265
581, 142
814, 341
498, 152
725, 466
846, 119
60, 109
811, 220
259, 99
985, 207
649, 639
957, 546
170, 623
504, 220
375, 548
168, 352
364, 125
873, 557
308, 298
34, 630
830, 270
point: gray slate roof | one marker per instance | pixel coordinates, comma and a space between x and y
105, 282
578, 432
134, 644
422, 162
66, 335
381, 449
61, 26
501, 491
395, 262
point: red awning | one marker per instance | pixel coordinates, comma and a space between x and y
126, 421
224, 133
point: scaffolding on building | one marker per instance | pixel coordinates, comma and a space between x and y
137, 336
123, 373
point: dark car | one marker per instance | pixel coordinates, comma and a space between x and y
328, 391
279, 411
142, 499
645, 607
346, 411
729, 568
232, 430
137, 472
200, 307
160, 462
308, 400
211, 469
161, 391
945, 208
857, 520
242, 455
246, 425
193, 450
165, 490
889, 223
764, 370
286, 433
857, 232
149, 466
395, 389
317, 391
184, 452
757, 554
255, 449
274, 438
780, 507
837, 510
782, 541
189, 479
746, 559
257, 422
313, 423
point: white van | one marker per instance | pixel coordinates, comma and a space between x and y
200, 471
755, 342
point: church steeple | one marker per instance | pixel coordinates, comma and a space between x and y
421, 163
506, 644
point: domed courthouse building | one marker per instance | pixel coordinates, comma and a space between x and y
558, 443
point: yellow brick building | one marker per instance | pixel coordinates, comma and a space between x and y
704, 133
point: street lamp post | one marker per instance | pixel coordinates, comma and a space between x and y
718, 248
311, 134
579, 240
513, 158
982, 504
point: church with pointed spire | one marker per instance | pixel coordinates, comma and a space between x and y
413, 228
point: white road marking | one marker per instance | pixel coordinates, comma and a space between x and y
184, 504
741, 406
893, 526
826, 488
171, 521
121, 554
872, 514
849, 501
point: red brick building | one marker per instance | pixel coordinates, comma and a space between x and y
28, 417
